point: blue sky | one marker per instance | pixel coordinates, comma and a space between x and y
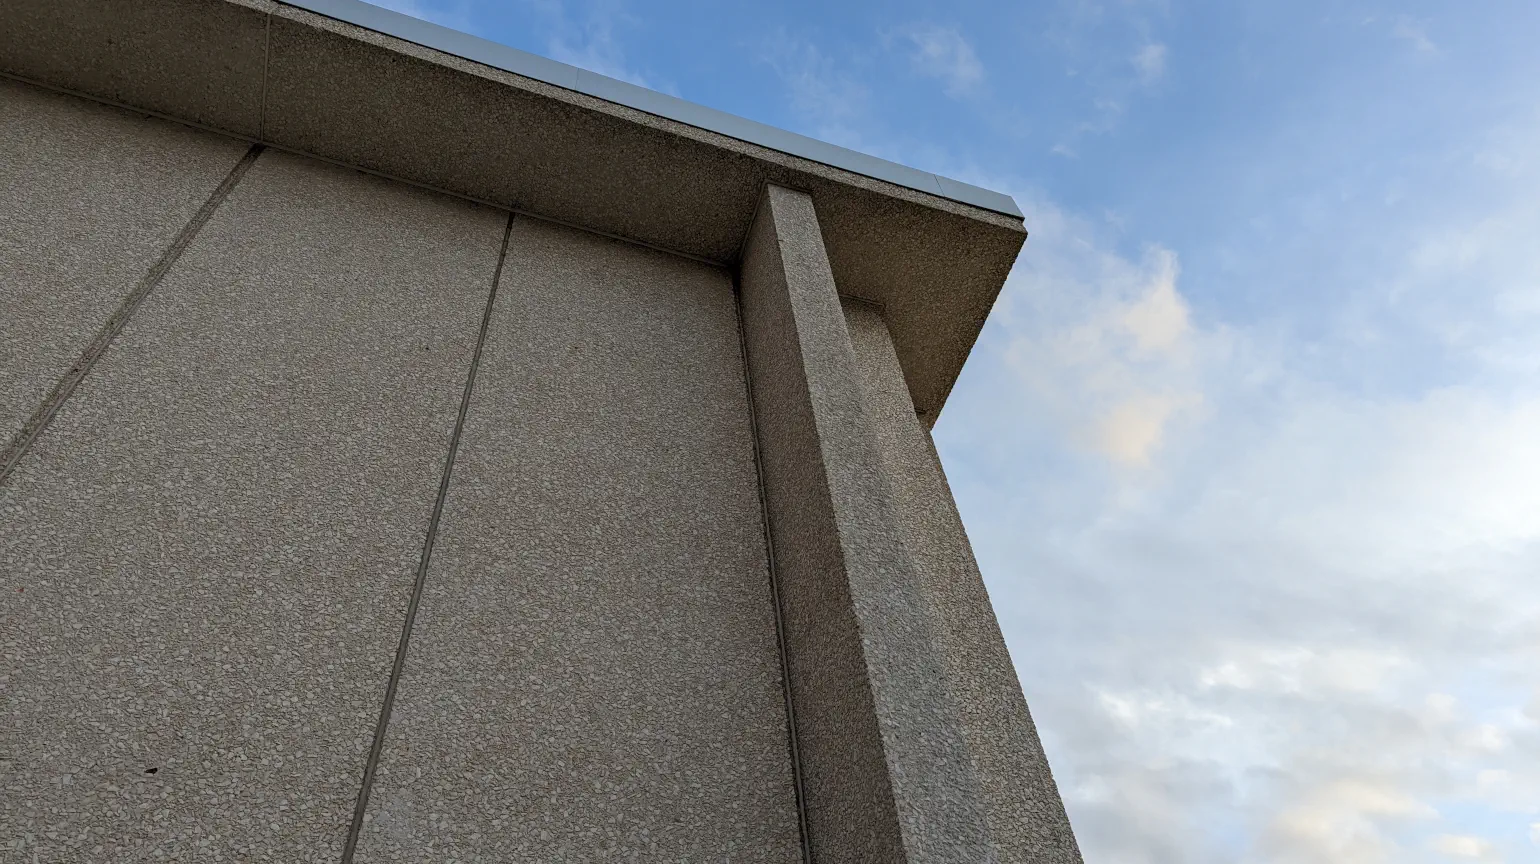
1250, 447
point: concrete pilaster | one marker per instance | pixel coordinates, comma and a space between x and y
885, 776
1026, 819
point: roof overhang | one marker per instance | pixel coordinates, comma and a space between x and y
366, 87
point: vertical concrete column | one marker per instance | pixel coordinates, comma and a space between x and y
1026, 817
884, 772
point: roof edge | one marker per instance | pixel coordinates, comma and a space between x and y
557, 74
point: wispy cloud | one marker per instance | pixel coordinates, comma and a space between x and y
454, 14
590, 34
590, 43
1150, 62
944, 54
832, 103
1111, 56
1414, 33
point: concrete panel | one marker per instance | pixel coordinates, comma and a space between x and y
90, 196
1027, 822
192, 59
209, 552
594, 673
886, 777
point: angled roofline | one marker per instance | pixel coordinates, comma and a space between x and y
381, 92
498, 56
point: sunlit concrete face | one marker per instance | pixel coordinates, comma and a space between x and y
594, 671
344, 519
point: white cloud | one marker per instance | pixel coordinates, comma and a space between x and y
1340, 821
1158, 321
943, 53
1465, 848
1304, 671
1150, 62
1140, 709
1130, 431
1106, 344
1271, 618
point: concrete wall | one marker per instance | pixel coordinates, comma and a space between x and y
210, 551
346, 520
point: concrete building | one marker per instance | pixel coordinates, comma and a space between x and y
423, 451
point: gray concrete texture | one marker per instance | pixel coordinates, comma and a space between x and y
886, 776
317, 85
194, 60
208, 554
1026, 817
93, 195
594, 674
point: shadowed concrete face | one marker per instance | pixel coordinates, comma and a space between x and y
1027, 822
194, 60
217, 535
885, 774
594, 674
93, 195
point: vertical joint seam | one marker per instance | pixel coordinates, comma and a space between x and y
267, 56
798, 791
392, 684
